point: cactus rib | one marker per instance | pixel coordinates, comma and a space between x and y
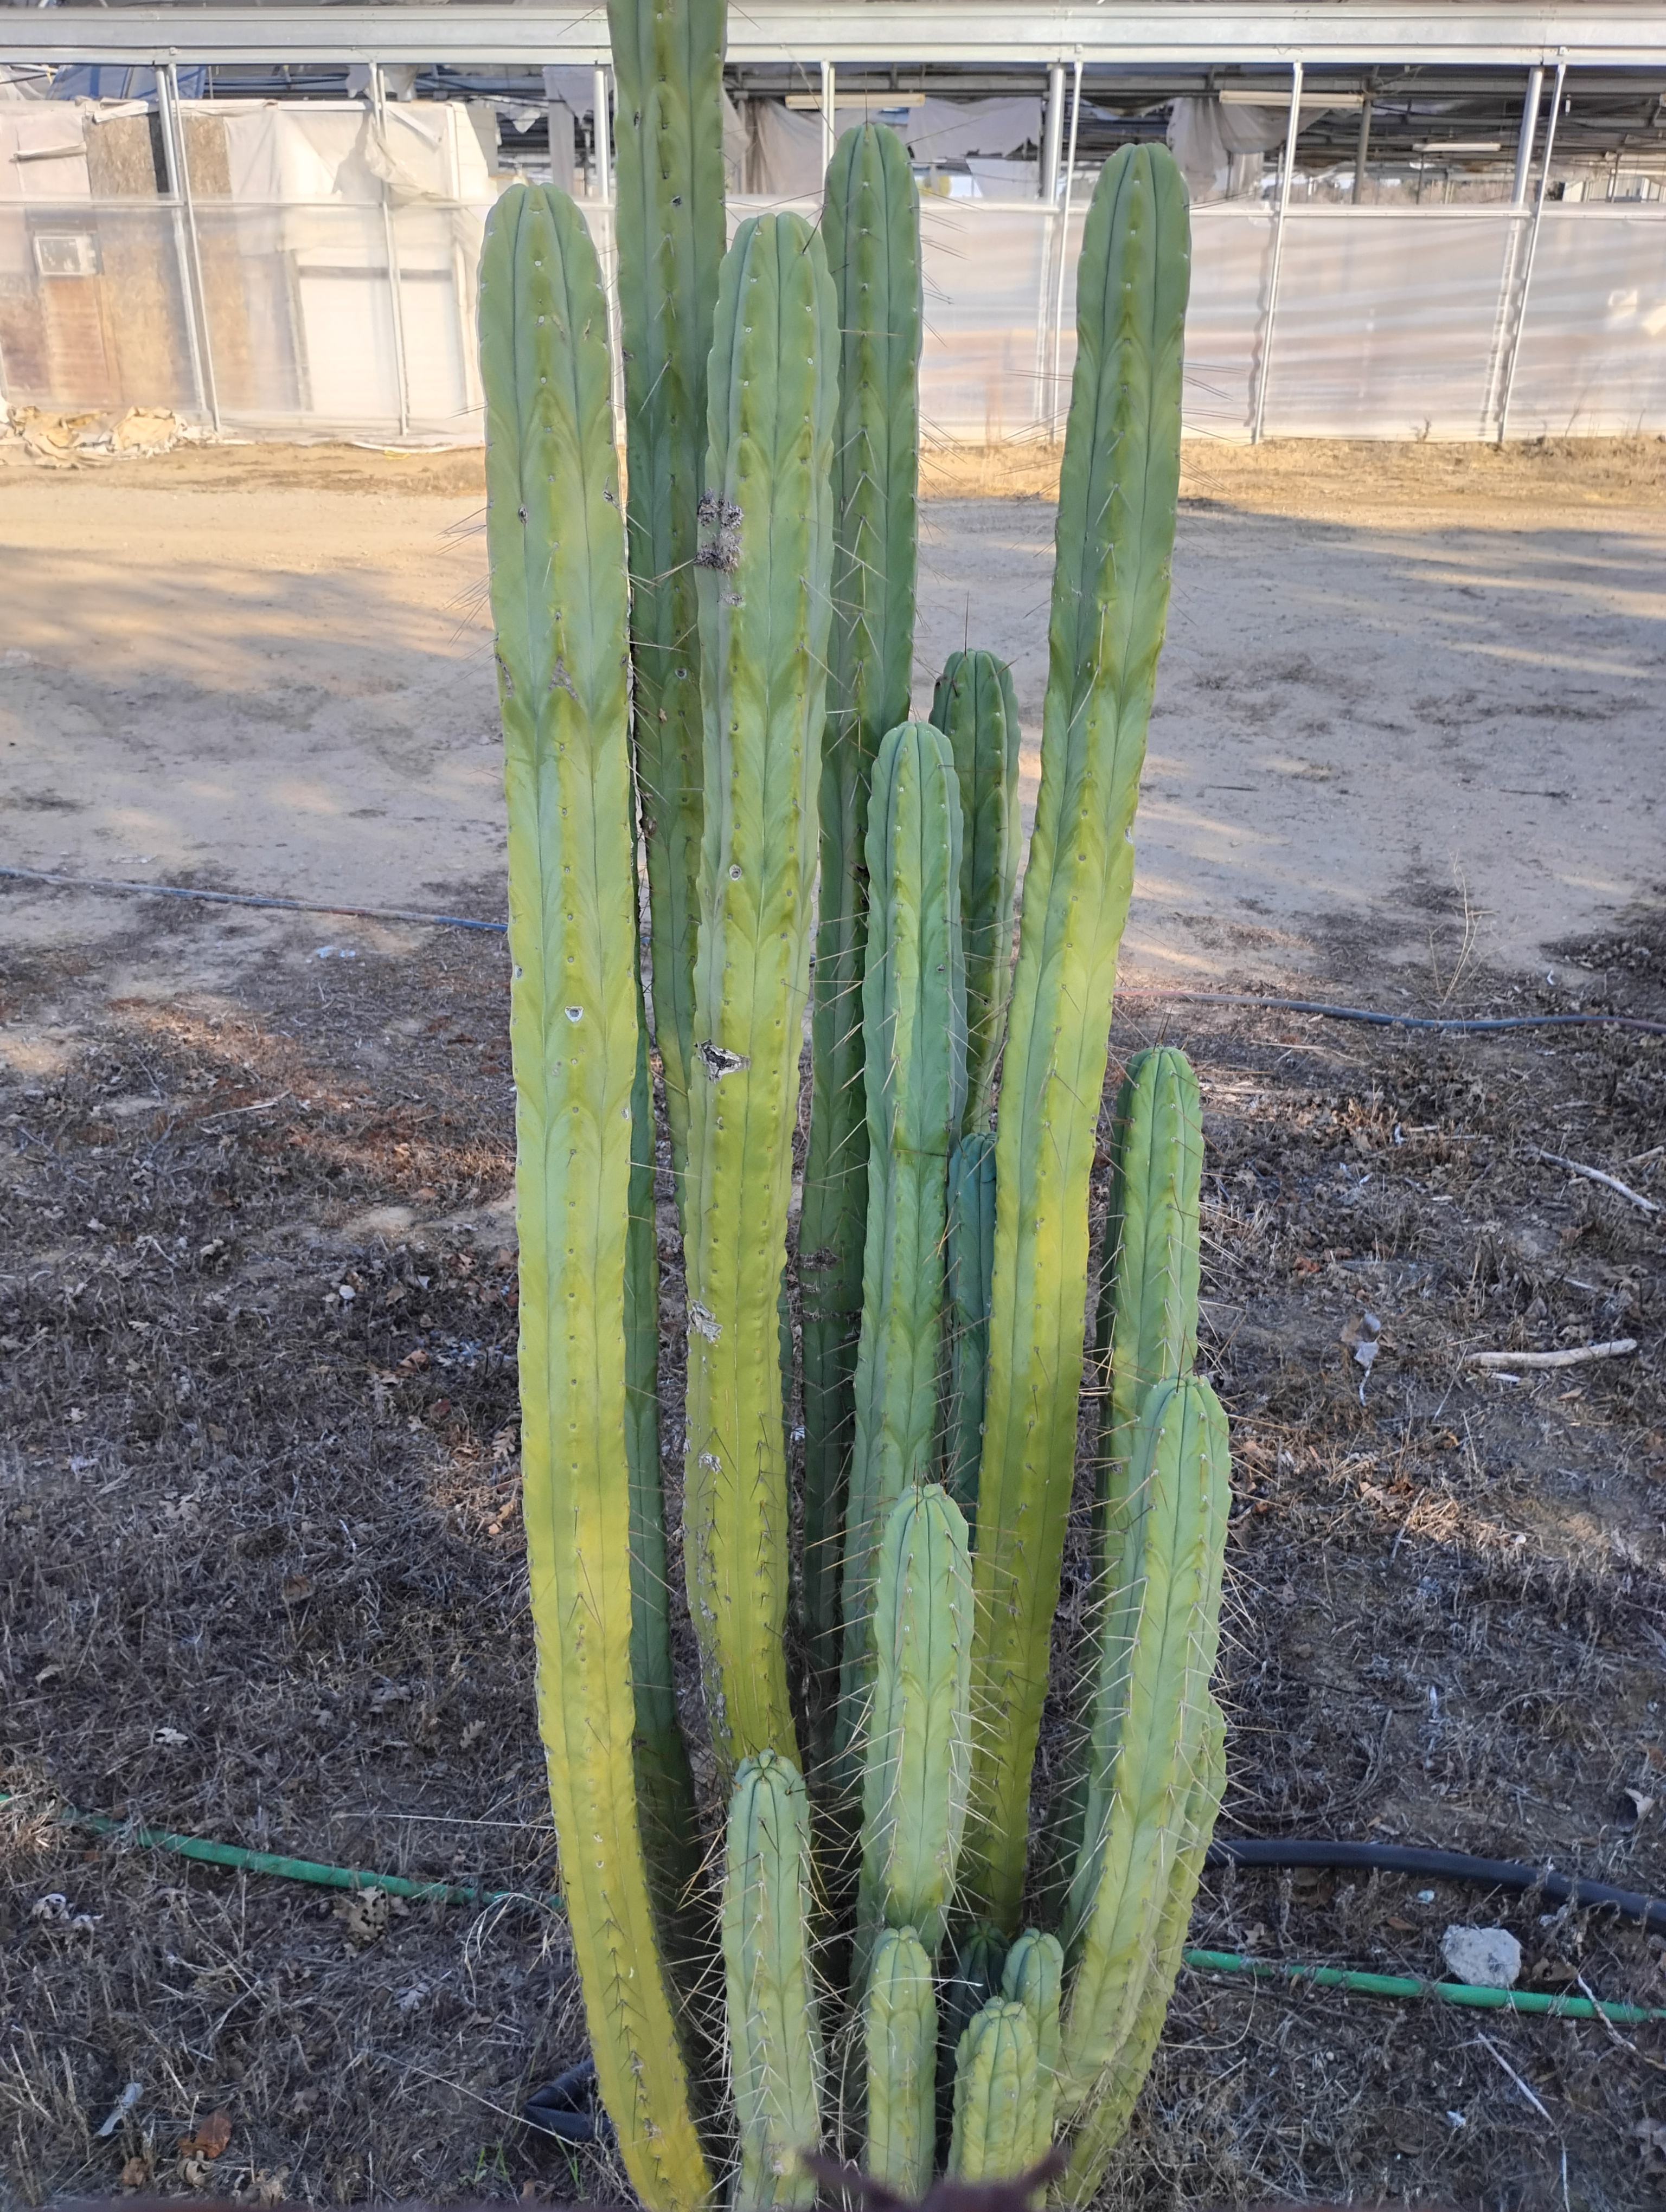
765, 558
556, 548
871, 225
1116, 507
774, 2048
668, 167
914, 1021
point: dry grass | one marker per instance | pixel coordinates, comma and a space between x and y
263, 1580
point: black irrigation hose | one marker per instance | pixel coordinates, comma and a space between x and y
1443, 1866
247, 898
1477, 1027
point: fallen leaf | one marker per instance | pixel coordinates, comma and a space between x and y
211, 2137
269, 2187
364, 1913
137, 2171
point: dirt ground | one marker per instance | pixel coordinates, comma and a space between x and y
260, 1548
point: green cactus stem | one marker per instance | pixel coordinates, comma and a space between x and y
914, 1018
970, 1254
1109, 2104
917, 1755
1147, 1330
1033, 1976
556, 546
1117, 495
994, 2094
975, 708
899, 2015
774, 2048
1157, 1652
665, 1785
668, 172
871, 224
980, 1955
765, 556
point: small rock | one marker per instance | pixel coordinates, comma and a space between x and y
1489, 1958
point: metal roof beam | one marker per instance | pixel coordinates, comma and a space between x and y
1336, 34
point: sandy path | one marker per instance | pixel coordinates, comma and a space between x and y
1386, 688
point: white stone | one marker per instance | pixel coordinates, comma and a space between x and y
1490, 1957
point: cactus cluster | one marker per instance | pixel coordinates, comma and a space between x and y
722, 673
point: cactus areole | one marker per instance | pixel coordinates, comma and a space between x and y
884, 1270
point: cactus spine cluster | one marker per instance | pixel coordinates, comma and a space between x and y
882, 1995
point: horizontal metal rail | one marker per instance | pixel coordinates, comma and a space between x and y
1621, 33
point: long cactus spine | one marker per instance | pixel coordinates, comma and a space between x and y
914, 1023
871, 224
558, 604
668, 136
775, 2046
1118, 489
765, 559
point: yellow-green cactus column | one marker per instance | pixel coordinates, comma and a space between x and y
765, 563
555, 537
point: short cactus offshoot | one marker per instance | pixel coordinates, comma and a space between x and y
872, 1617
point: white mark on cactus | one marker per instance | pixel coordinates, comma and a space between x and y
711, 1461
575, 1013
704, 1322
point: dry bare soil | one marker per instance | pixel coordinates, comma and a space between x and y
263, 1576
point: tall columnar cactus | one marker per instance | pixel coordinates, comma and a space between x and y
969, 1262
1147, 1329
871, 226
942, 1657
1117, 495
668, 170
913, 1019
899, 2026
995, 2080
917, 1754
1106, 2108
1150, 1716
765, 556
557, 548
975, 708
775, 2044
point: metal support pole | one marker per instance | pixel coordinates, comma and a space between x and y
1054, 133
1064, 245
829, 116
1514, 352
185, 243
1529, 131
1291, 129
1362, 153
603, 126
391, 247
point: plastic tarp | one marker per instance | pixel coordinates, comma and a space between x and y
339, 254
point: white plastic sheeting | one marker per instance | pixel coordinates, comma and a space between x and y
338, 257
